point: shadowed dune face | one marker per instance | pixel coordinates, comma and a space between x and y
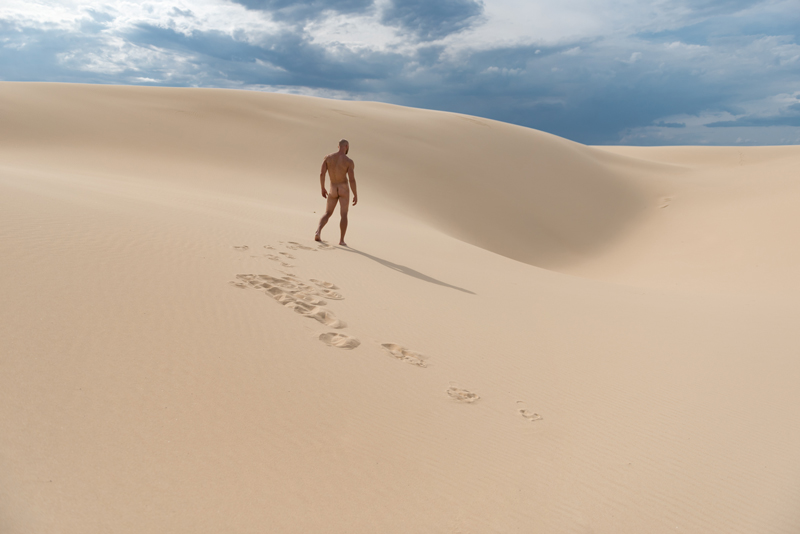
521, 193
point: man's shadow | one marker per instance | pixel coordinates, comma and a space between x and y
406, 270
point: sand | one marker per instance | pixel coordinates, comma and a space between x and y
525, 335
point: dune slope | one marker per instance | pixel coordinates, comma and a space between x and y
525, 335
559, 201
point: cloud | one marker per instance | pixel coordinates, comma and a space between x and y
285, 58
102, 17
304, 10
710, 8
176, 12
642, 73
761, 122
432, 20
758, 122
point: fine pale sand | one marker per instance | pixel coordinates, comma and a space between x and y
527, 334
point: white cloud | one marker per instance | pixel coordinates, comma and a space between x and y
208, 15
543, 64
356, 33
503, 71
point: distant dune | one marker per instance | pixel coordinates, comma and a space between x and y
525, 335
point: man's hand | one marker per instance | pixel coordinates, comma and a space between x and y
355, 200
324, 193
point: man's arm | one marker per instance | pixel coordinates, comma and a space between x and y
351, 175
322, 177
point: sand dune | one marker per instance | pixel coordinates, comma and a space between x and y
526, 335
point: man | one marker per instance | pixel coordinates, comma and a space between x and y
340, 168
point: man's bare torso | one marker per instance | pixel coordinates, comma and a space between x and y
338, 164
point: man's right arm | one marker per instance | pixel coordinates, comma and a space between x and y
322, 177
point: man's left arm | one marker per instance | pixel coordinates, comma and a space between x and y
351, 175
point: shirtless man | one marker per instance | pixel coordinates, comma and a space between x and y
340, 168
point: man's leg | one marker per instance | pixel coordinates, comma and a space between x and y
329, 207
344, 207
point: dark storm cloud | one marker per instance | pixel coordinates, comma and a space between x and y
590, 96
430, 20
592, 116
303, 10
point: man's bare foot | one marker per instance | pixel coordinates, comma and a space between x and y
342, 244
317, 238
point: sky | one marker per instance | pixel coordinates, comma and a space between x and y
630, 72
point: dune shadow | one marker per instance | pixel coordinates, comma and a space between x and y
406, 270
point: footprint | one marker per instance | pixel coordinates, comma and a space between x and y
299, 306
287, 255
315, 312
531, 416
342, 341
264, 281
309, 299
277, 293
302, 298
294, 246
246, 280
282, 282
406, 355
326, 317
281, 287
462, 395
527, 414
273, 257
325, 246
328, 294
269, 247
323, 283
665, 202
305, 287
289, 284
241, 247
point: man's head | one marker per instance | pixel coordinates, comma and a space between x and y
344, 144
